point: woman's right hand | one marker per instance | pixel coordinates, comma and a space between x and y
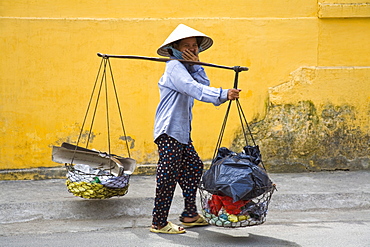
190, 56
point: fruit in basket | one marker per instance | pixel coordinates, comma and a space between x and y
243, 217
233, 218
94, 190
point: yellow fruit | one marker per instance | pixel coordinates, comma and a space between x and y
93, 190
86, 193
233, 218
242, 217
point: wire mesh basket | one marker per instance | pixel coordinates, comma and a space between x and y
96, 186
92, 174
222, 211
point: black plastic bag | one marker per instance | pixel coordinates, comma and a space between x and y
237, 174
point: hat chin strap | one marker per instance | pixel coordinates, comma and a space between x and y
176, 53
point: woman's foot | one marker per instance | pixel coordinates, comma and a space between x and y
189, 219
170, 228
198, 220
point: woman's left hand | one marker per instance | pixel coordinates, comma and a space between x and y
233, 94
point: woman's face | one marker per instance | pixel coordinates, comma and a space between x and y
188, 44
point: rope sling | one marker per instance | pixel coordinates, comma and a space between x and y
103, 80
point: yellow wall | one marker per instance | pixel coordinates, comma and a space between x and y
49, 64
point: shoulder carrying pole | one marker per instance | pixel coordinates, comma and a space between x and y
237, 70
158, 59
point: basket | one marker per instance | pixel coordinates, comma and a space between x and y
101, 185
93, 174
239, 214
218, 207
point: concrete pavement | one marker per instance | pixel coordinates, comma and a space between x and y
28, 200
323, 199
309, 209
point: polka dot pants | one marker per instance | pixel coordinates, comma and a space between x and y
178, 163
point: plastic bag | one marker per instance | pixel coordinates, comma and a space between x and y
237, 174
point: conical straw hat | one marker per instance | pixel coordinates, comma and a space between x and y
181, 32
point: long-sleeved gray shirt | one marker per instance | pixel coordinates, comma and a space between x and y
179, 86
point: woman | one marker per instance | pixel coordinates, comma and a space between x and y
178, 162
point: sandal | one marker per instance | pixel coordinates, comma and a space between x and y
201, 221
170, 228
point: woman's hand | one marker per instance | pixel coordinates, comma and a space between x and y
190, 56
233, 94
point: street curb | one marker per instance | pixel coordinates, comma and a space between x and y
60, 172
33, 173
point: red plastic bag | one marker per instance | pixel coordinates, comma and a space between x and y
217, 202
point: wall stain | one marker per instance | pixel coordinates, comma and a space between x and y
302, 137
129, 139
74, 139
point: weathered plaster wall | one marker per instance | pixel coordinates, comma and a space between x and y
312, 126
49, 65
